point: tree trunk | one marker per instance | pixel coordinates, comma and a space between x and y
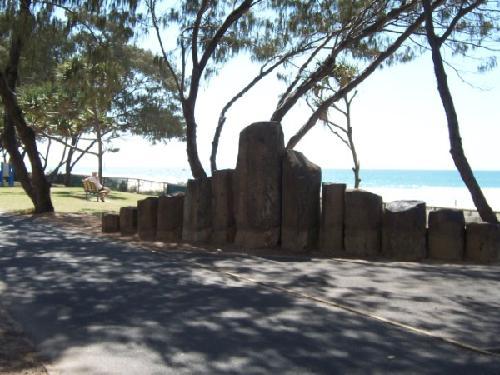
456, 149
192, 147
37, 188
352, 147
99, 150
40, 187
10, 143
69, 160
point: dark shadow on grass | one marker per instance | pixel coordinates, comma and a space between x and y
81, 196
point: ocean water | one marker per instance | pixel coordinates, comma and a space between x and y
410, 178
370, 178
436, 188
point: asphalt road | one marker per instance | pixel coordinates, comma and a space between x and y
94, 306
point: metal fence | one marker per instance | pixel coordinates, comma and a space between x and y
129, 184
137, 185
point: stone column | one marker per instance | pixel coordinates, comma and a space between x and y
332, 218
363, 222
404, 230
482, 242
147, 212
128, 221
258, 185
170, 218
446, 234
110, 223
301, 207
223, 220
197, 219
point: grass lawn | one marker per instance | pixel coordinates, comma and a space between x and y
64, 199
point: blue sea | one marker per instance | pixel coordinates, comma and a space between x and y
437, 188
410, 178
370, 178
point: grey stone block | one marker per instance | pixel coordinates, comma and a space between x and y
301, 206
128, 221
197, 219
404, 230
363, 222
223, 211
147, 213
332, 218
110, 223
446, 234
170, 218
482, 242
258, 185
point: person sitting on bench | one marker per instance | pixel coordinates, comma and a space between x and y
103, 190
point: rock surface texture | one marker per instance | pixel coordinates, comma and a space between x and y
301, 206
482, 242
258, 185
363, 220
170, 218
147, 212
404, 230
128, 221
223, 220
446, 234
197, 219
110, 223
332, 218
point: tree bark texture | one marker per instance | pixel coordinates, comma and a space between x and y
40, 187
10, 143
350, 140
191, 142
456, 149
69, 160
99, 150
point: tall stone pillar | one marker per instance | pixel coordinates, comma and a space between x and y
332, 218
147, 211
170, 218
258, 185
301, 206
363, 223
197, 220
223, 220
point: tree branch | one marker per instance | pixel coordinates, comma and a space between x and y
152, 5
360, 78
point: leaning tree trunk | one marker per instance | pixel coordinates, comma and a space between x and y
38, 187
192, 146
350, 141
99, 151
456, 149
10, 143
69, 160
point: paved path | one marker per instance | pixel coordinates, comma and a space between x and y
93, 306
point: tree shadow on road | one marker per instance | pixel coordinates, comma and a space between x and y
90, 298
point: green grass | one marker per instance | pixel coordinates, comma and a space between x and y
64, 199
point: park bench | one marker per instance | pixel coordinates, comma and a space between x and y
90, 190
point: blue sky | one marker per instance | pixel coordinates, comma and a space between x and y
397, 117
398, 121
